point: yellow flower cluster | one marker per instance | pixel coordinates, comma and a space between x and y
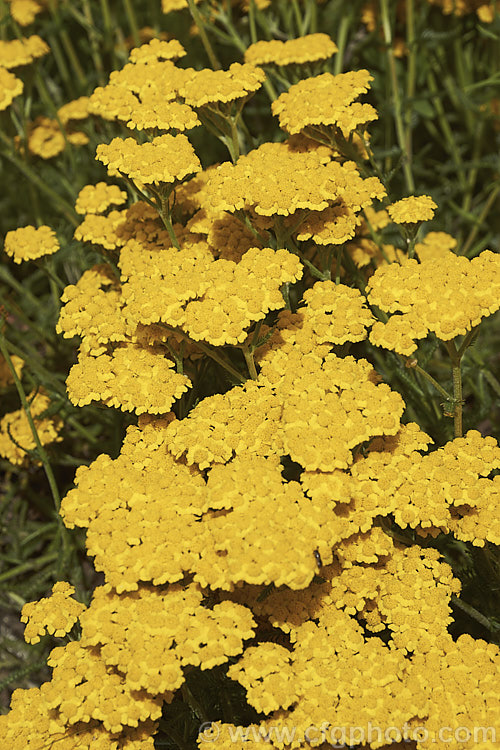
221, 86
10, 87
6, 377
30, 243
325, 100
22, 51
46, 139
165, 159
16, 437
149, 636
486, 11
24, 12
54, 615
157, 49
412, 210
275, 179
448, 295
133, 378
268, 504
96, 199
306, 49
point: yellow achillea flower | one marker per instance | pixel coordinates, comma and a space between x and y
435, 245
10, 87
78, 109
83, 688
333, 226
150, 635
45, 138
448, 295
15, 427
166, 159
325, 100
221, 86
103, 230
151, 112
148, 471
25, 11
443, 490
32, 720
92, 309
233, 550
157, 49
22, 51
168, 5
306, 49
266, 674
276, 179
96, 199
132, 378
238, 294
54, 615
412, 210
30, 243
6, 377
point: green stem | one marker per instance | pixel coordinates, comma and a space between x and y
250, 361
345, 23
481, 218
206, 350
456, 371
400, 130
22, 396
132, 22
431, 380
472, 612
62, 559
195, 13
235, 141
165, 215
411, 74
65, 207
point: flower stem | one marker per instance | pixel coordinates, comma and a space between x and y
40, 450
398, 117
250, 361
203, 34
456, 356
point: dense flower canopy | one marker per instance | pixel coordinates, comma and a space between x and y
325, 100
305, 49
30, 243
446, 294
269, 522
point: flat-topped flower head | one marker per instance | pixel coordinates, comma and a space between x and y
412, 210
30, 243
166, 159
78, 109
157, 49
96, 199
221, 86
23, 51
10, 87
24, 12
152, 112
325, 101
275, 179
447, 294
54, 615
306, 49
